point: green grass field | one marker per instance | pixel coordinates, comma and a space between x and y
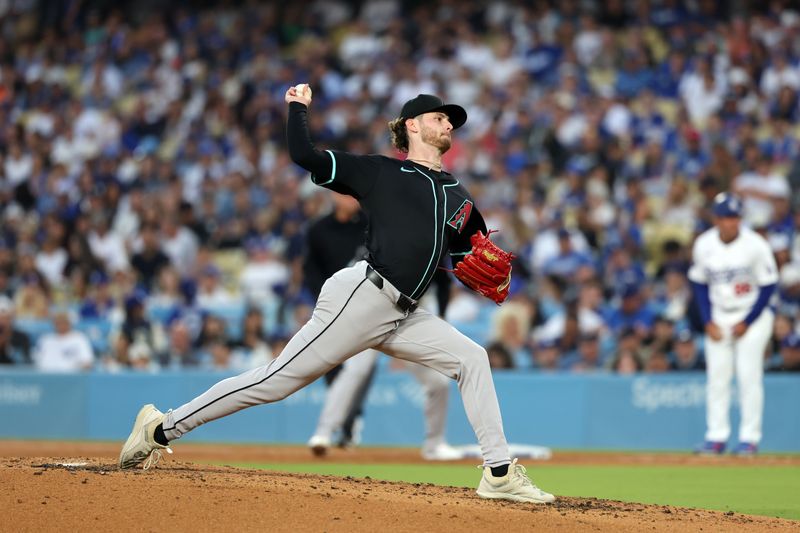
750, 489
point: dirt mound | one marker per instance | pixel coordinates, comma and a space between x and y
76, 492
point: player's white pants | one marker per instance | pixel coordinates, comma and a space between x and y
746, 356
343, 391
354, 374
351, 315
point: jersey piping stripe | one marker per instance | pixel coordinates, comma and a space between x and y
276, 371
435, 233
333, 169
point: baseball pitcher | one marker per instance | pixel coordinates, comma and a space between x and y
417, 213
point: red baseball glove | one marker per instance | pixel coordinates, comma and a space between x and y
487, 269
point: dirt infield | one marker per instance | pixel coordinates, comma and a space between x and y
50, 486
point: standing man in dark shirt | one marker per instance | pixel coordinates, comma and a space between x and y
417, 213
332, 243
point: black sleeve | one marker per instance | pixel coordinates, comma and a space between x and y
461, 245
338, 171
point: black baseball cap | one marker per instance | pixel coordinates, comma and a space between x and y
428, 103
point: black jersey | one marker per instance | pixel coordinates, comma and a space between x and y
415, 215
330, 246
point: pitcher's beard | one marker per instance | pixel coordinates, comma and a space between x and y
442, 142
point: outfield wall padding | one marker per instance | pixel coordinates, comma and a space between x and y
644, 412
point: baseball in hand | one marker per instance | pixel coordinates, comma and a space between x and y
300, 89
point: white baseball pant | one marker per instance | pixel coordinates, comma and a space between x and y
353, 375
352, 315
746, 356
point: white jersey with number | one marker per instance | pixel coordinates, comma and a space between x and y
733, 271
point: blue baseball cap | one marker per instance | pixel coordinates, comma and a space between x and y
727, 205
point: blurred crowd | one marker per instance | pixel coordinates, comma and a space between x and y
151, 217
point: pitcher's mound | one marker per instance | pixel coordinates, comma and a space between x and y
82, 493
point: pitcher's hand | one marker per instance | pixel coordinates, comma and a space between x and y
299, 93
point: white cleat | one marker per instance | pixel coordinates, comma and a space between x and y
319, 445
140, 446
515, 486
442, 452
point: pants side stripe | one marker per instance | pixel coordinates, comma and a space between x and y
276, 371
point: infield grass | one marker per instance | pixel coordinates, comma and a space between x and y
748, 489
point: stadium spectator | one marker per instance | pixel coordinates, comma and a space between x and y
672, 295
150, 259
779, 74
547, 355
264, 273
64, 350
627, 362
632, 312
210, 291
685, 355
137, 340
213, 350
567, 262
789, 289
180, 353
107, 246
52, 257
32, 298
657, 363
140, 359
499, 356
99, 302
629, 340
587, 357
510, 329
15, 346
81, 263
253, 345
789, 355
702, 92
663, 336
178, 243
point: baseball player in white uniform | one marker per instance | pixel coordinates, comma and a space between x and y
733, 275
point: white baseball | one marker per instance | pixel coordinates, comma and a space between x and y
300, 89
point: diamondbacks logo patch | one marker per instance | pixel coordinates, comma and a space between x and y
461, 216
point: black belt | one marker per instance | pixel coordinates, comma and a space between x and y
404, 303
